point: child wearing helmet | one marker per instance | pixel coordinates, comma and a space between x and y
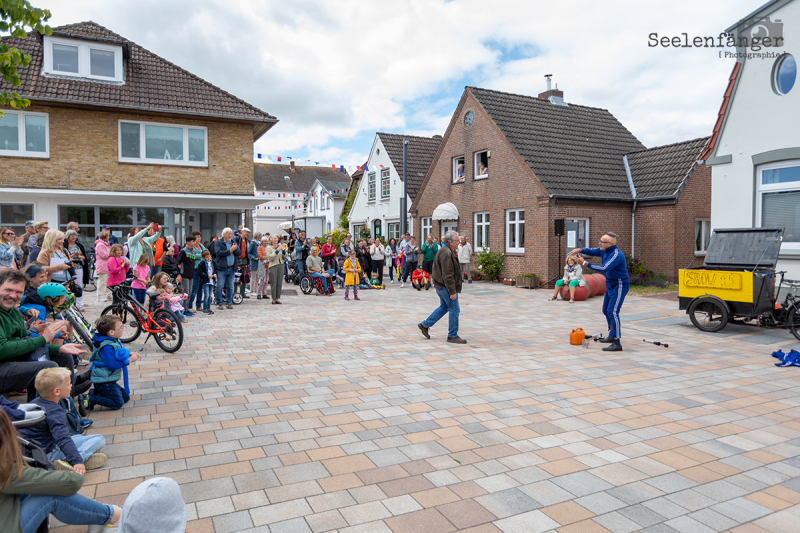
54, 295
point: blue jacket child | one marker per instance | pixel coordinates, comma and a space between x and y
110, 360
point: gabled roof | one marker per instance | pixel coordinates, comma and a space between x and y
342, 186
575, 151
421, 151
268, 177
151, 82
723, 110
661, 171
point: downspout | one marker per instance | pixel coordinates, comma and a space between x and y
633, 210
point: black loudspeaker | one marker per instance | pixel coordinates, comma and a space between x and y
559, 227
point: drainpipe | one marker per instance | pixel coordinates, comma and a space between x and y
633, 210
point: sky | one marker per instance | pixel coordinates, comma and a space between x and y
335, 72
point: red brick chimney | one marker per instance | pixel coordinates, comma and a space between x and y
291, 166
550, 92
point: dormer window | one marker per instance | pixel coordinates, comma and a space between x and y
83, 59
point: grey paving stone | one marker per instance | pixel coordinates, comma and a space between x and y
721, 490
713, 519
671, 482
207, 490
617, 523
685, 524
301, 472
600, 503
634, 493
130, 472
260, 480
508, 502
295, 525
741, 510
581, 483
642, 515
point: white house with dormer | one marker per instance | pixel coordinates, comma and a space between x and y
325, 201
377, 203
754, 152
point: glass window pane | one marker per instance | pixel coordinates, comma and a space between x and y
101, 63
780, 175
81, 215
782, 209
65, 58
787, 74
35, 133
698, 236
197, 145
162, 142
117, 216
9, 132
512, 216
11, 214
129, 134
146, 215
521, 226
86, 235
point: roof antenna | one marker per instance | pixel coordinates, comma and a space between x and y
547, 77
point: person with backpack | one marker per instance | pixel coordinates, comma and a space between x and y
110, 360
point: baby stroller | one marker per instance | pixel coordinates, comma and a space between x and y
292, 273
34, 454
242, 277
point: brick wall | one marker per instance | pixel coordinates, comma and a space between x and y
511, 184
85, 145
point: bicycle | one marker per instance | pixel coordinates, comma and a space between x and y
162, 324
80, 326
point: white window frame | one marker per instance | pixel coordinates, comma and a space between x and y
392, 231
328, 203
509, 229
84, 61
386, 184
482, 228
426, 227
455, 169
174, 162
705, 234
22, 152
775, 187
371, 187
475, 161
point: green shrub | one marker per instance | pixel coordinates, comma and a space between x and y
490, 264
527, 275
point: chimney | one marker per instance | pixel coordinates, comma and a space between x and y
550, 92
291, 166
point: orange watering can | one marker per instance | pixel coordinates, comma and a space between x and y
577, 336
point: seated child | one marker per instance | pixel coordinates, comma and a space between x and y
72, 454
341, 275
170, 262
110, 360
375, 282
420, 278
176, 302
157, 292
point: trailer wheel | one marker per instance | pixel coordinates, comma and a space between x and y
793, 321
708, 314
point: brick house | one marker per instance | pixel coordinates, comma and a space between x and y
376, 202
512, 165
283, 190
117, 135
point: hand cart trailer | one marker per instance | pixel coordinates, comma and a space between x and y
737, 283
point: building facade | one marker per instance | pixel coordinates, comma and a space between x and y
118, 136
754, 152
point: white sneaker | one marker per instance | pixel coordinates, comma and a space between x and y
108, 528
391, 281
402, 285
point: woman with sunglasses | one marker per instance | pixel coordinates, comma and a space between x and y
10, 249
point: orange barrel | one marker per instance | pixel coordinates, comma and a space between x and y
565, 292
576, 336
581, 293
592, 283
601, 281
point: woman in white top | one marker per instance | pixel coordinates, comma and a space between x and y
377, 253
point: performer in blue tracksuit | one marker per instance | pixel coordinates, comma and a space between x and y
615, 269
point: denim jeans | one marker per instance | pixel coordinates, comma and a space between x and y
225, 279
446, 305
195, 299
206, 297
73, 510
109, 395
139, 295
301, 268
323, 278
87, 445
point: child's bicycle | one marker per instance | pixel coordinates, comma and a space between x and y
162, 324
69, 312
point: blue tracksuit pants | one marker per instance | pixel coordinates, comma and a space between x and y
612, 303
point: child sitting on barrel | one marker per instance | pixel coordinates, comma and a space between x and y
573, 278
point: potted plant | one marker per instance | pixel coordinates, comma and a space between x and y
527, 281
509, 281
490, 264
475, 275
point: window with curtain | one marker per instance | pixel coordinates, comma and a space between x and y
371, 185
778, 200
24, 134
702, 232
481, 230
515, 231
166, 144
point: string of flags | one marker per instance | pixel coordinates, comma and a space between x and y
301, 195
281, 158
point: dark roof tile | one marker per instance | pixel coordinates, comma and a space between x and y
269, 177
661, 170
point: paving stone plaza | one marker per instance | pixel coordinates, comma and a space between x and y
325, 415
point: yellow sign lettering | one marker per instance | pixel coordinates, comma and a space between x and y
709, 279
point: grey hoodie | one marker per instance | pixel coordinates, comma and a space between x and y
155, 505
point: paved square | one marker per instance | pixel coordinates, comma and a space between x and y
325, 415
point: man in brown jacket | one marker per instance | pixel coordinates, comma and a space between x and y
447, 282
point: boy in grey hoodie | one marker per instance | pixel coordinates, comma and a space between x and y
155, 505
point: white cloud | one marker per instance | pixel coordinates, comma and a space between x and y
337, 71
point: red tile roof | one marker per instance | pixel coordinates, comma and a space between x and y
151, 82
726, 99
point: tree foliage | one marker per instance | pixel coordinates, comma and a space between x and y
17, 17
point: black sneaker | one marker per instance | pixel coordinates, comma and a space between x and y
245, 296
229, 306
606, 340
258, 297
456, 340
613, 347
208, 312
424, 330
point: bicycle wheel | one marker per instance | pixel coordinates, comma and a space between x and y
708, 315
79, 326
793, 321
169, 336
306, 286
131, 327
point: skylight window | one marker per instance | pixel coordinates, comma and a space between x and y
90, 60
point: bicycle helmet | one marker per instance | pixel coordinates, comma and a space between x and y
53, 290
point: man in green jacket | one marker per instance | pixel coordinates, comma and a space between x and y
429, 250
19, 363
447, 282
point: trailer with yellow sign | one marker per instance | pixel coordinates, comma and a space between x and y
737, 283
